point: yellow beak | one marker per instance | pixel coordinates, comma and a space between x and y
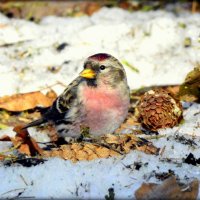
88, 73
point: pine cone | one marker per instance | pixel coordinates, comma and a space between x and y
159, 109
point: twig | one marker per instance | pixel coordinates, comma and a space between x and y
194, 6
50, 86
151, 137
162, 151
95, 142
23, 179
13, 190
108, 147
196, 113
10, 156
14, 43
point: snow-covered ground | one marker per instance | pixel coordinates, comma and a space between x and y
154, 43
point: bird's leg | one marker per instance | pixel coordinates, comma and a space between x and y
88, 138
70, 140
85, 131
85, 134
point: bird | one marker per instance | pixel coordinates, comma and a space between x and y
98, 98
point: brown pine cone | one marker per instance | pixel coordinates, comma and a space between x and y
158, 109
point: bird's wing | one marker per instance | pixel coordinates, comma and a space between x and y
65, 100
61, 105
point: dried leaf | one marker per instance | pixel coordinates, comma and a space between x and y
169, 189
2, 157
112, 139
136, 94
148, 148
51, 95
24, 143
35, 10
8, 118
190, 89
5, 138
35, 146
92, 7
24, 149
3, 26
26, 101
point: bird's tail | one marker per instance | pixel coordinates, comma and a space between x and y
35, 123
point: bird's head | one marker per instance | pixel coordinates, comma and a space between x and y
103, 69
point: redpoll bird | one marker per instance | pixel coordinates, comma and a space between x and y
98, 98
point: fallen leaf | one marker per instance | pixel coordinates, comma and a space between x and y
136, 94
24, 149
128, 142
5, 138
27, 144
36, 10
169, 189
8, 118
23, 142
51, 95
26, 101
92, 7
3, 25
2, 157
190, 89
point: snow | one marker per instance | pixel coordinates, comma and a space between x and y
145, 40
152, 42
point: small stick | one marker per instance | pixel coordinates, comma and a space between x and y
194, 6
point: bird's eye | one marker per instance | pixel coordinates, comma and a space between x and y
102, 67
